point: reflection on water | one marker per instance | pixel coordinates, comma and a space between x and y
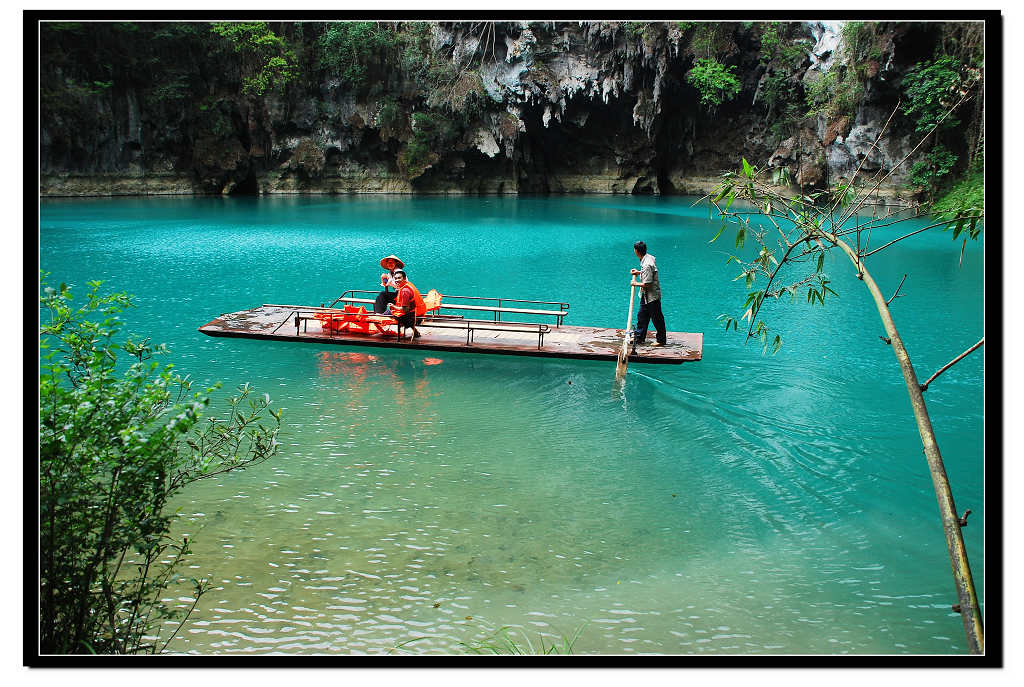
741, 504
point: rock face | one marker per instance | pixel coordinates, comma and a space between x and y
539, 107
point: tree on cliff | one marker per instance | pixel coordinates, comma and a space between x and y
118, 439
267, 62
793, 235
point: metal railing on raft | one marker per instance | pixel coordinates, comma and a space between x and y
458, 302
301, 317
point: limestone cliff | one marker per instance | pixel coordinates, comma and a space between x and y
485, 107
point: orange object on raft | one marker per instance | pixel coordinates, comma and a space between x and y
358, 320
355, 320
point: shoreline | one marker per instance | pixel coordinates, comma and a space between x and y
110, 186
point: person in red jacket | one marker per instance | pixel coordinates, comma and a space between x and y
408, 306
386, 297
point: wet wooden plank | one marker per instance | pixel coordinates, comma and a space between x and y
277, 322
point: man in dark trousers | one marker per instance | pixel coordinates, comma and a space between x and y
650, 296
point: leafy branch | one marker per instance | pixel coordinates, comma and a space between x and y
119, 437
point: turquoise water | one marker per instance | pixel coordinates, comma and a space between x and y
740, 504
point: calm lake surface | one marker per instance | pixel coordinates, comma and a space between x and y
741, 504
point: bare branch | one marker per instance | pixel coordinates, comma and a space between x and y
906, 236
860, 204
878, 222
897, 292
874, 146
954, 361
201, 589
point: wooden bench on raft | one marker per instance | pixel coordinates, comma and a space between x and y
554, 309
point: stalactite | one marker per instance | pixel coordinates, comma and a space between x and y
631, 78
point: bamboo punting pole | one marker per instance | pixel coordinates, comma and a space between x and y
620, 366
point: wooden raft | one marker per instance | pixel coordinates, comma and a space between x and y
279, 323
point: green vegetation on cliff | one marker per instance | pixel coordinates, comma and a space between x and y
351, 49
933, 88
716, 82
267, 61
228, 104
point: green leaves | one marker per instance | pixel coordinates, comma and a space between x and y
268, 62
931, 89
816, 294
936, 165
117, 443
780, 176
348, 49
715, 82
766, 258
753, 303
799, 221
769, 41
844, 195
720, 230
835, 94
748, 171
972, 225
964, 207
761, 332
723, 189
729, 321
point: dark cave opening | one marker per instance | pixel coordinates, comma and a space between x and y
246, 187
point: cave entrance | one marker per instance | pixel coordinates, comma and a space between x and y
246, 187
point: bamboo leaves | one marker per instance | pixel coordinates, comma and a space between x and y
720, 230
729, 322
805, 232
752, 304
766, 257
780, 176
748, 171
972, 224
741, 235
723, 190
761, 332
817, 295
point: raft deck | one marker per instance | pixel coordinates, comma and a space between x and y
298, 323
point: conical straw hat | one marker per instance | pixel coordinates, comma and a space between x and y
391, 262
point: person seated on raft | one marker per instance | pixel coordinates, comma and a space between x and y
387, 280
408, 307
